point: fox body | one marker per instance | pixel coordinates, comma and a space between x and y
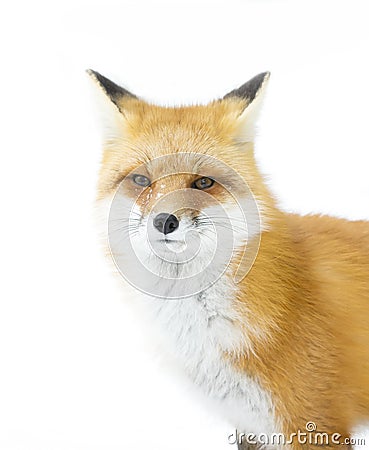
276, 339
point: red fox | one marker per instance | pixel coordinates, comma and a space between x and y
266, 311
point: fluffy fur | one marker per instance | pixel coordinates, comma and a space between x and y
289, 343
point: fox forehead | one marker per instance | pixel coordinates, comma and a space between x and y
153, 131
208, 118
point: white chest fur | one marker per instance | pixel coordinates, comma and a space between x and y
198, 330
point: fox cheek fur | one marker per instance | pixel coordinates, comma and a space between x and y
287, 345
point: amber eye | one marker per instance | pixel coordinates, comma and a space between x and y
141, 180
203, 183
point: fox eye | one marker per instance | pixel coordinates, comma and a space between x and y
203, 183
141, 180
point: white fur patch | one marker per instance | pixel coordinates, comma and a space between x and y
197, 331
200, 328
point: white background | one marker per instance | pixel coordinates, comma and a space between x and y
77, 371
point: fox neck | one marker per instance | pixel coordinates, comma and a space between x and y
270, 288
217, 335
239, 317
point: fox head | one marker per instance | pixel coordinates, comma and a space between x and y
184, 193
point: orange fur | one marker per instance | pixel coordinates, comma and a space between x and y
307, 292
309, 288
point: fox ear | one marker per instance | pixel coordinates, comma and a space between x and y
111, 105
249, 99
250, 90
114, 92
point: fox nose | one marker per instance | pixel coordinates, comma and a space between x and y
166, 223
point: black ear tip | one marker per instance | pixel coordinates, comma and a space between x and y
249, 90
260, 77
113, 91
103, 81
99, 78
91, 72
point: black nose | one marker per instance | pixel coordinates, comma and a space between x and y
166, 223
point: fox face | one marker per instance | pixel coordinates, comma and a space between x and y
185, 196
